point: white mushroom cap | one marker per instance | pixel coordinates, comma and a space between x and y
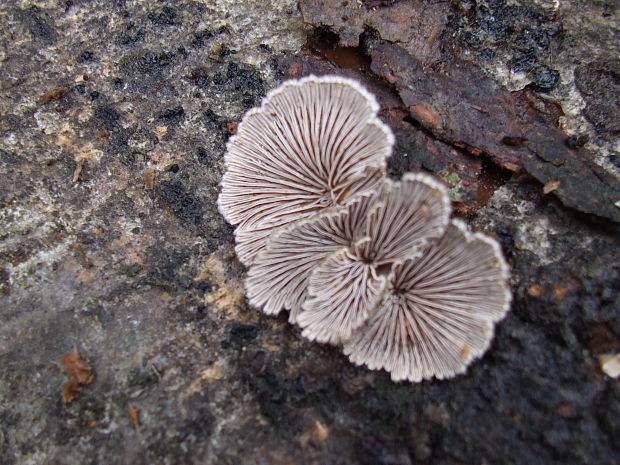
299, 153
345, 290
438, 313
279, 276
346, 287
411, 212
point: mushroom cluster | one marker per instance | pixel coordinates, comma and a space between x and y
373, 265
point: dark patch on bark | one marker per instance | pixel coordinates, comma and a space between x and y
599, 83
183, 204
39, 23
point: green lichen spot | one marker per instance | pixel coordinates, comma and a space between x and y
131, 270
453, 180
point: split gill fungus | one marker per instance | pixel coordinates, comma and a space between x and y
373, 265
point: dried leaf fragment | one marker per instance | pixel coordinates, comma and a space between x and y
149, 179
134, 414
77, 173
536, 290
610, 364
80, 374
53, 94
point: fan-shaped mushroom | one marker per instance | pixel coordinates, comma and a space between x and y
411, 212
438, 312
344, 290
357, 259
298, 154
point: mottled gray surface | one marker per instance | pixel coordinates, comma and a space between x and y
554, 47
111, 242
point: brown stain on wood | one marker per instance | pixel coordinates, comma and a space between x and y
425, 114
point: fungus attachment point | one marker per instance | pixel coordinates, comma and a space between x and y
357, 259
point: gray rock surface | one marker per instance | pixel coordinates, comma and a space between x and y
113, 123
